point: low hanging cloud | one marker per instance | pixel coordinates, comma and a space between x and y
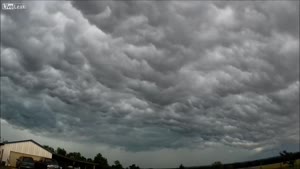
150, 75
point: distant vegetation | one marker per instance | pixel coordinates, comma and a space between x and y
181, 166
287, 160
98, 159
217, 165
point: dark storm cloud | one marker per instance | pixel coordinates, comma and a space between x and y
148, 75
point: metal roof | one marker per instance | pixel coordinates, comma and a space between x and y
21, 141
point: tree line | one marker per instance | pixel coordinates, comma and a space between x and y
98, 159
287, 158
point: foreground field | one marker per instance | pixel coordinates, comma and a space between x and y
277, 166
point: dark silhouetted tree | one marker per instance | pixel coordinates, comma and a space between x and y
288, 158
83, 158
133, 166
76, 156
217, 165
89, 160
117, 165
181, 166
101, 161
61, 151
230, 167
49, 148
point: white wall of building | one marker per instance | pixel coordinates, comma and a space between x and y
27, 147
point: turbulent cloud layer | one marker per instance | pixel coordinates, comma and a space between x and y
154, 74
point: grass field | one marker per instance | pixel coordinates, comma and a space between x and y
277, 166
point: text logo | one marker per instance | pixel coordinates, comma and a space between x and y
12, 6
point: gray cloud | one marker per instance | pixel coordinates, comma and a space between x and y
151, 75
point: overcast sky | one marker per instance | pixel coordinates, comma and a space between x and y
155, 83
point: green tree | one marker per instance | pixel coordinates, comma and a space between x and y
101, 161
61, 151
48, 148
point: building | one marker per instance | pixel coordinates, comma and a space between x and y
11, 151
